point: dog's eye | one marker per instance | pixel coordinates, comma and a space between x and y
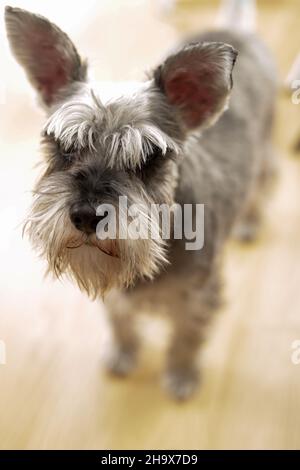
153, 162
154, 155
68, 156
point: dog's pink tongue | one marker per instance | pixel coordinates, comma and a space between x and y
109, 247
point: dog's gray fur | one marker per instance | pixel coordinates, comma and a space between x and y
110, 143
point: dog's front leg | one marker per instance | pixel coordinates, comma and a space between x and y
121, 354
191, 315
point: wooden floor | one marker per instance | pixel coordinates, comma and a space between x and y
53, 392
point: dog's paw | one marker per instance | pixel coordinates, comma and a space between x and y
181, 383
120, 362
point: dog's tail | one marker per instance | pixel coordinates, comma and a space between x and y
237, 15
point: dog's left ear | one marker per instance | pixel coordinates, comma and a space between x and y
48, 56
197, 82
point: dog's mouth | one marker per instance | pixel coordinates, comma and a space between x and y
108, 247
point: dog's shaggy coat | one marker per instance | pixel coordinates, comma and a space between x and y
181, 136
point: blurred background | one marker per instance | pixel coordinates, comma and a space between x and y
53, 391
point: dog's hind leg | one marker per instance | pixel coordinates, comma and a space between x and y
248, 226
249, 223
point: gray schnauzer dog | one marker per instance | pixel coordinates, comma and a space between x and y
175, 138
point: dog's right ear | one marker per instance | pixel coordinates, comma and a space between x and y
47, 54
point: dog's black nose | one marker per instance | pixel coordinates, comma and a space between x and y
83, 217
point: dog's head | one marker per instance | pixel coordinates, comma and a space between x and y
97, 148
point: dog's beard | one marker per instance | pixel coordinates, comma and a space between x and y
95, 265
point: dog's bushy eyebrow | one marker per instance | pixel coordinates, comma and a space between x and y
76, 122
123, 138
130, 146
